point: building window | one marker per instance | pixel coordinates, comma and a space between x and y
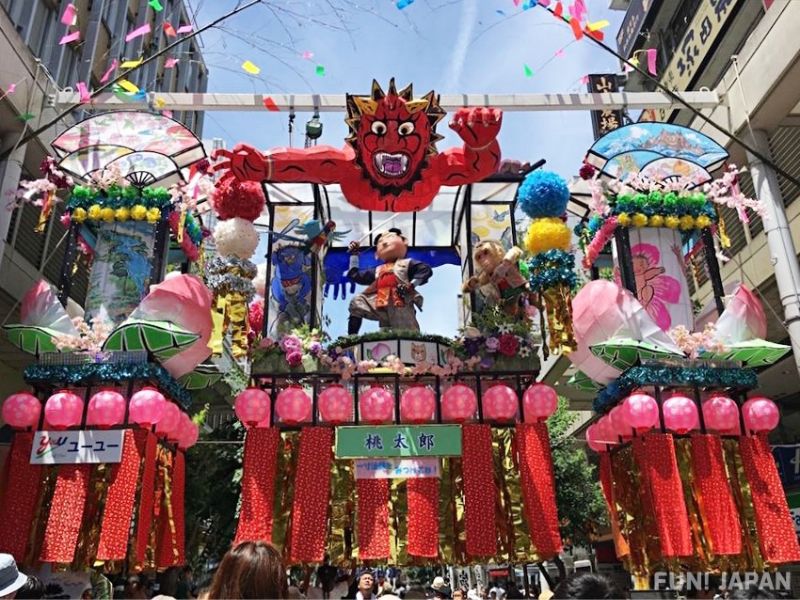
40, 28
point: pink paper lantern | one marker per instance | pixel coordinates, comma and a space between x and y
619, 423
761, 414
335, 404
63, 409
721, 414
539, 402
417, 404
680, 414
106, 409
640, 411
252, 406
293, 405
188, 432
169, 425
146, 407
606, 431
593, 439
459, 403
22, 410
376, 405
500, 403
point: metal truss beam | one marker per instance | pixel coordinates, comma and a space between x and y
450, 102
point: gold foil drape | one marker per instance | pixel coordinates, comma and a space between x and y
558, 303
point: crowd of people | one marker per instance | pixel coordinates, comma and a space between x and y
256, 570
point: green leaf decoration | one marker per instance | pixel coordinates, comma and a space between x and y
32, 339
201, 378
752, 353
163, 338
624, 353
581, 381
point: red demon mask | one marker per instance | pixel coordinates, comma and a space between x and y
392, 134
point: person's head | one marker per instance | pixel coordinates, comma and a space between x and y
493, 594
186, 573
458, 595
587, 585
326, 559
365, 583
32, 588
391, 245
752, 593
11, 580
87, 594
250, 570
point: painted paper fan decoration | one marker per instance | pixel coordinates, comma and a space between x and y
657, 150
148, 148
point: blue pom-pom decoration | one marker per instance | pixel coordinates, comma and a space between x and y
543, 194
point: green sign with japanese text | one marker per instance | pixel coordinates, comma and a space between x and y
367, 441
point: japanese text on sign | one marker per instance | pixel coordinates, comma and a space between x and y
77, 447
397, 468
421, 440
604, 120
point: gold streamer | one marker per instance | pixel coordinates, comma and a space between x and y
41, 514
284, 491
95, 502
340, 523
724, 240
524, 550
751, 558
559, 319
235, 321
459, 526
398, 522
447, 514
47, 208
703, 558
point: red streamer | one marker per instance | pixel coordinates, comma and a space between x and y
776, 533
66, 513
538, 488
719, 511
607, 485
167, 554
479, 490
423, 517
663, 491
147, 494
19, 501
259, 465
373, 518
311, 495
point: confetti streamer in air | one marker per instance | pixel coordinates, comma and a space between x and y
11, 89
170, 62
528, 71
156, 5
270, 105
307, 55
185, 29
25, 117
320, 71
585, 79
111, 68
169, 30
127, 86
500, 12
138, 32
70, 16
401, 4
251, 68
560, 52
652, 54
70, 37
132, 64
159, 103
598, 25
83, 91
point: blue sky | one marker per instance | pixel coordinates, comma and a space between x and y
449, 46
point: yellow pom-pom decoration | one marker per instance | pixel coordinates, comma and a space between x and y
138, 213
122, 214
623, 219
547, 234
153, 215
94, 212
656, 221
702, 221
672, 221
639, 220
79, 215
687, 222
107, 214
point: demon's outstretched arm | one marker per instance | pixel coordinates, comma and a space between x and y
318, 164
480, 155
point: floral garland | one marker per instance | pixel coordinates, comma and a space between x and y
117, 203
599, 241
693, 343
550, 268
231, 275
90, 337
193, 233
666, 376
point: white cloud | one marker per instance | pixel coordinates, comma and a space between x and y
469, 18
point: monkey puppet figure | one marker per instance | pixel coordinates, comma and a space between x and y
498, 280
391, 297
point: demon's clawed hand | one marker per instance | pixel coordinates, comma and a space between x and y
244, 163
478, 127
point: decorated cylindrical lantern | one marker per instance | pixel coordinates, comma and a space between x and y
106, 409
459, 403
417, 404
335, 404
376, 405
169, 424
720, 414
500, 403
680, 414
539, 402
293, 405
146, 407
761, 414
640, 411
63, 409
252, 406
22, 410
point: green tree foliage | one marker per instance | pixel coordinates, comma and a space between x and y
213, 474
578, 496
